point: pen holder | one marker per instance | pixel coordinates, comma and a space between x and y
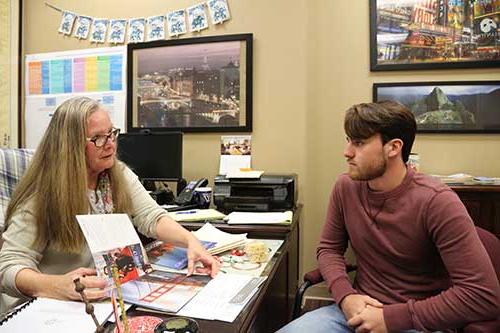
203, 197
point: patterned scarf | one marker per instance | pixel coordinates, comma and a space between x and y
101, 200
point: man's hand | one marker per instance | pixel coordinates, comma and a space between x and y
354, 304
370, 320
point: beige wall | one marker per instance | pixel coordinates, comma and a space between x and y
9, 46
311, 62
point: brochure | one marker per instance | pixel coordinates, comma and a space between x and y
113, 240
163, 291
169, 255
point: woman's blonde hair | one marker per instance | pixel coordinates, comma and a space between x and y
56, 179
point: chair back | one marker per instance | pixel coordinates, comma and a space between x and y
492, 245
13, 164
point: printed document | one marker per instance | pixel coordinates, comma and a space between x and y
223, 297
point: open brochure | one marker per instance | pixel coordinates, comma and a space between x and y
164, 291
169, 255
112, 240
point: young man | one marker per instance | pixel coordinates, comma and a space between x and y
421, 265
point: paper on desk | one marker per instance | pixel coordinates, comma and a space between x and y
216, 300
260, 217
244, 173
197, 215
50, 315
224, 240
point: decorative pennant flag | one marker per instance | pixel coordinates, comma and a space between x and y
156, 28
82, 27
219, 10
116, 34
197, 17
136, 29
67, 21
99, 28
176, 22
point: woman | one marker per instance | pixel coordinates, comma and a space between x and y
75, 171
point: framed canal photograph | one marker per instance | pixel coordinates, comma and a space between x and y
428, 34
190, 85
447, 107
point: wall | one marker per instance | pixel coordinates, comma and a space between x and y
311, 62
9, 50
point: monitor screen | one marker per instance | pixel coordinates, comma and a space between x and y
152, 156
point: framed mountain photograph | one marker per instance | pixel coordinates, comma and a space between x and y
447, 107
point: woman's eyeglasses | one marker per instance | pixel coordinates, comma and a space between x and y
100, 140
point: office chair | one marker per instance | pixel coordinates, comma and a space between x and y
490, 242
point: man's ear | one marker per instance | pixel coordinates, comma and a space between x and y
394, 147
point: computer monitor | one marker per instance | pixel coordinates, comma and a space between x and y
152, 156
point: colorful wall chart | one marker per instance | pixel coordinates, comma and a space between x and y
80, 74
52, 78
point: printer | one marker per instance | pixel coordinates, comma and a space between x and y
268, 193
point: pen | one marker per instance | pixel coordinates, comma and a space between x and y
186, 212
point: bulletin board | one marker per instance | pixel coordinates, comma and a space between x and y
52, 78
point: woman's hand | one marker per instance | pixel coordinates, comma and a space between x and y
95, 287
32, 283
197, 253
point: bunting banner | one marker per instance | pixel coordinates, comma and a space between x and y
141, 29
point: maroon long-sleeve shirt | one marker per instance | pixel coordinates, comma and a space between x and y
417, 252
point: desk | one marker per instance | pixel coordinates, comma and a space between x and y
483, 204
285, 283
270, 308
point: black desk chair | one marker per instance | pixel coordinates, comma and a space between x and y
490, 242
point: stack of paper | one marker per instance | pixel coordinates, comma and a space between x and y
260, 218
224, 241
244, 173
197, 215
486, 181
457, 178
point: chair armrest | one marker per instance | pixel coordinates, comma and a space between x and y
311, 278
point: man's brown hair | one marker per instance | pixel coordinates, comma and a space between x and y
391, 119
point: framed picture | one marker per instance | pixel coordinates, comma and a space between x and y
431, 34
447, 107
191, 85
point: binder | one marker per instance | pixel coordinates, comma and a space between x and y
45, 315
13, 312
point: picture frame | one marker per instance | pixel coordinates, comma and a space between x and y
190, 85
447, 107
434, 34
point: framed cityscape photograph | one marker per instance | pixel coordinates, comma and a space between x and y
447, 107
432, 34
190, 85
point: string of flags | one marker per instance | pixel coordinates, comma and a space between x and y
142, 29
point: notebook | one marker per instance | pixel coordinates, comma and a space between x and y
49, 315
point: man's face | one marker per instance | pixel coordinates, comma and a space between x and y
366, 158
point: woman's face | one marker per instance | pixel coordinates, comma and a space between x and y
99, 158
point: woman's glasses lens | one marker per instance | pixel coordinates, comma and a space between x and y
101, 140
